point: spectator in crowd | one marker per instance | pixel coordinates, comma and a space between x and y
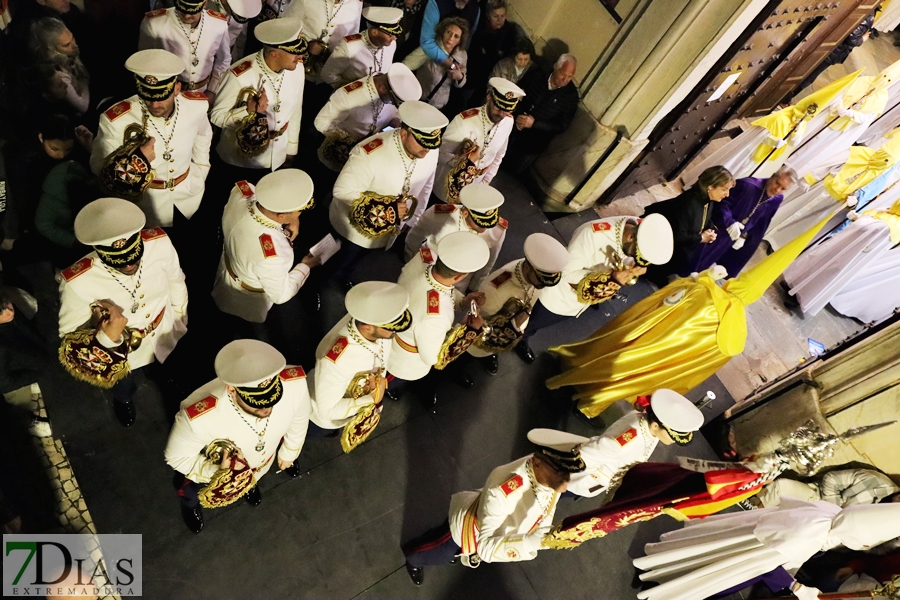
60, 71
551, 99
23, 353
513, 68
494, 40
436, 77
413, 14
68, 187
435, 12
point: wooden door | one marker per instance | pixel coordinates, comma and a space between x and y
753, 61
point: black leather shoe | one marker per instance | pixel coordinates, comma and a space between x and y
416, 574
192, 517
125, 413
525, 352
293, 470
465, 381
491, 364
254, 496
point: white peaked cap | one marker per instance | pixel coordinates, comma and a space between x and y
285, 190
382, 15
376, 302
863, 526
403, 82
480, 197
545, 253
463, 251
553, 438
246, 363
103, 221
655, 241
422, 116
506, 87
161, 64
246, 9
675, 411
279, 31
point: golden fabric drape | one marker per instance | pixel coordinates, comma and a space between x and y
780, 122
674, 338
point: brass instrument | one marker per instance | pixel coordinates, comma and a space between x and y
126, 171
363, 424
502, 336
375, 216
463, 172
227, 484
252, 133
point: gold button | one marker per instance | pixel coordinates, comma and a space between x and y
152, 334
142, 306
142, 295
147, 316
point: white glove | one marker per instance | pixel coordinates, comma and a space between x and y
850, 202
775, 141
734, 230
738, 244
718, 272
853, 215
807, 593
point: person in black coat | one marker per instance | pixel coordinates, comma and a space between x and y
494, 39
547, 109
690, 214
23, 353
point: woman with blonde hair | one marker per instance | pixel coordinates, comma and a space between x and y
452, 35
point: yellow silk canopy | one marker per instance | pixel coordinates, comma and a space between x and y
675, 338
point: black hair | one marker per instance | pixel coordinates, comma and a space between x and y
524, 46
57, 127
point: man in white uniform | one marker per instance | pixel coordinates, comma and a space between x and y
126, 300
479, 214
505, 521
604, 255
198, 37
475, 142
368, 52
271, 140
511, 292
238, 13
174, 161
326, 22
260, 224
382, 177
669, 418
363, 108
351, 360
429, 277
256, 404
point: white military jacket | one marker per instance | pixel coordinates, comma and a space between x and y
510, 518
181, 179
379, 164
473, 124
498, 287
352, 109
257, 266
354, 58
228, 111
209, 42
442, 219
340, 359
594, 247
433, 308
209, 413
162, 297
624, 444
235, 29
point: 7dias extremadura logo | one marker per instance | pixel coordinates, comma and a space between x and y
72, 565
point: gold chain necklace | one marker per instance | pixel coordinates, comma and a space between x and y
167, 155
377, 104
407, 180
330, 16
265, 71
379, 356
260, 435
436, 285
545, 509
527, 287
488, 134
194, 46
377, 54
134, 303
